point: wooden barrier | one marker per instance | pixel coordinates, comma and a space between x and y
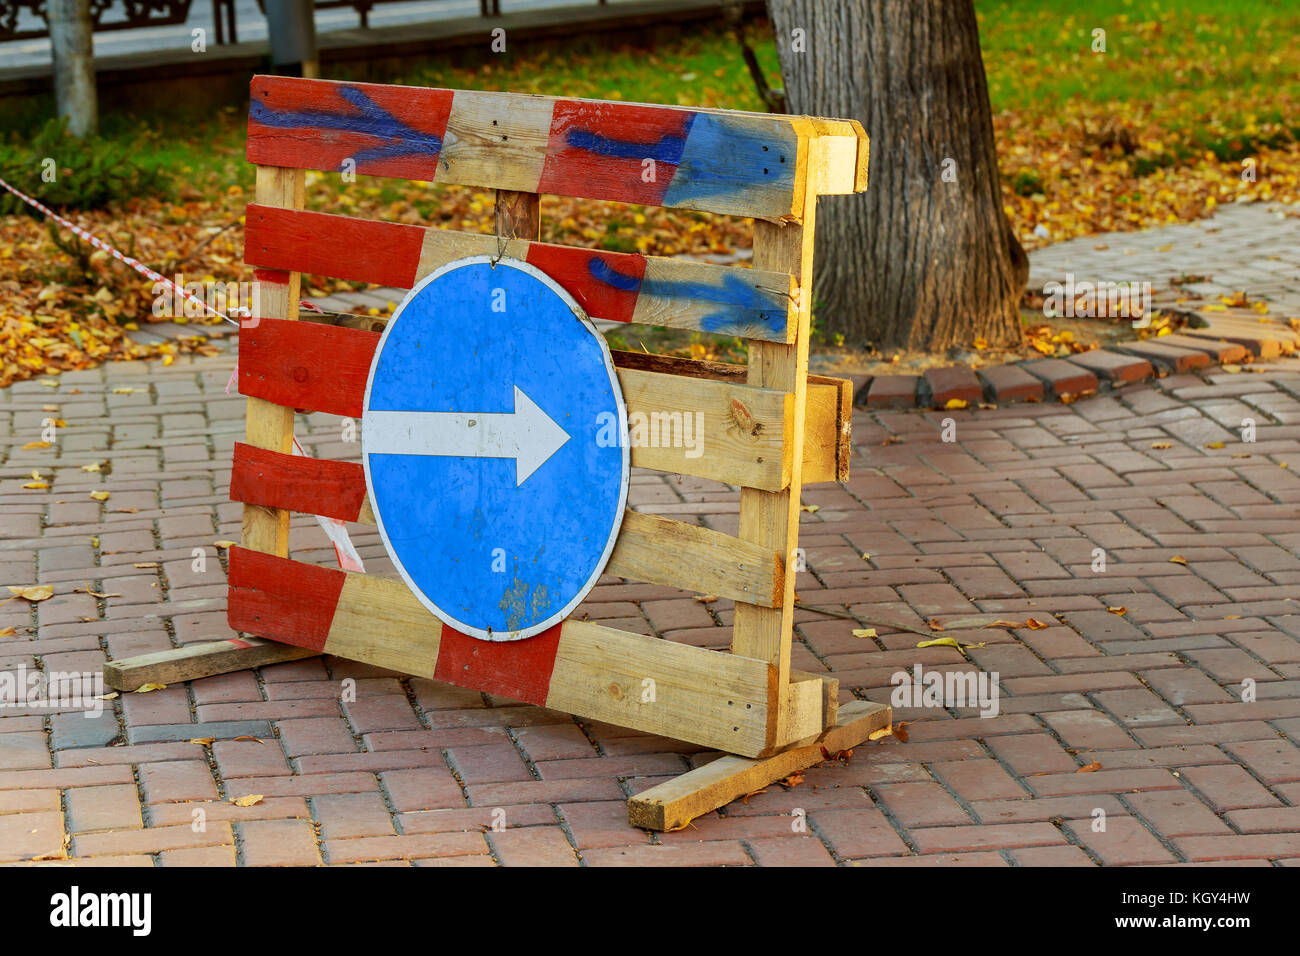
768, 428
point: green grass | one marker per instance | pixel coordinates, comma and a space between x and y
1179, 60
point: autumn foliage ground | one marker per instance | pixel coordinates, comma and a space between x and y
1190, 106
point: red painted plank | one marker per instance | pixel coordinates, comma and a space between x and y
605, 284
287, 601
520, 670
383, 130
318, 486
308, 365
365, 250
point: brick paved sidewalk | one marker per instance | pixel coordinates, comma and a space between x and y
1003, 523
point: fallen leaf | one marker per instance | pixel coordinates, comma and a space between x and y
811, 509
1121, 611
37, 484
7, 632
1231, 369
1178, 559
1214, 444
93, 467
124, 390
87, 590
100, 495
1162, 445
1034, 624
900, 730
934, 624
145, 564
879, 734
864, 632
793, 780
111, 695
146, 688
949, 642
224, 545
248, 801
202, 741
955, 403
34, 592
706, 598
36, 444
1091, 768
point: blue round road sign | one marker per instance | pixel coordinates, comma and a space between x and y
494, 441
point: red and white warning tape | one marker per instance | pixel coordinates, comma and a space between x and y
348, 558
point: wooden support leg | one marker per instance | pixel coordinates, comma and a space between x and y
672, 805
199, 660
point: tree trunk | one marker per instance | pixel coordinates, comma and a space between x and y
74, 65
925, 258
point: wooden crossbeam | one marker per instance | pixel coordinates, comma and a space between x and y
739, 164
741, 433
618, 286
195, 661
674, 804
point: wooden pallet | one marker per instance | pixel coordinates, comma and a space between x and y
770, 428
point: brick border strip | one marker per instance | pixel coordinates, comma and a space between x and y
1220, 342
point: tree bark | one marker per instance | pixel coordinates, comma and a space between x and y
916, 261
74, 65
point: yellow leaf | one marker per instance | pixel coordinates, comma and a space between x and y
36, 444
953, 403
811, 509
1214, 444
248, 801
37, 484
146, 564
93, 467
1034, 624
7, 632
124, 390
100, 495
202, 741
225, 545
1231, 369
706, 598
1090, 768
882, 732
34, 592
1121, 611
146, 688
949, 642
1178, 559
1161, 445
168, 359
864, 632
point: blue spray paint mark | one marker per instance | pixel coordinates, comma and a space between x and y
667, 150
602, 271
373, 121
744, 307
725, 157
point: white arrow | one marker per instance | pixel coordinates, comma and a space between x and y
528, 435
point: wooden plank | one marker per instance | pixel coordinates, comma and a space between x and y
738, 434
680, 555
674, 804
771, 518
194, 661
270, 425
706, 697
649, 548
621, 287
741, 164
805, 707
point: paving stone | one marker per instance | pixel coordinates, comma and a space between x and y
893, 391
1114, 367
954, 383
1061, 377
1167, 356
222, 729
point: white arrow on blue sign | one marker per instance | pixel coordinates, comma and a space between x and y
485, 440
